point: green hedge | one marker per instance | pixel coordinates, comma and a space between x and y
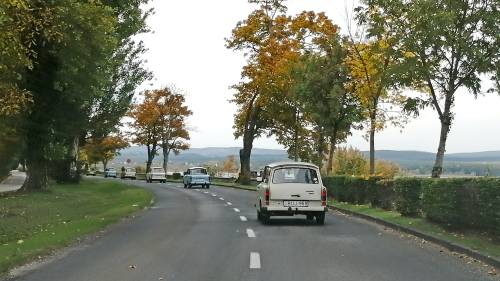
460, 203
408, 196
463, 203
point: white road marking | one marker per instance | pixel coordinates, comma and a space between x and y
236, 210
254, 260
221, 198
206, 192
229, 203
243, 218
250, 233
214, 195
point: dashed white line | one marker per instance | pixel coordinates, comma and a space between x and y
236, 210
254, 260
229, 203
214, 195
221, 198
250, 233
206, 192
243, 218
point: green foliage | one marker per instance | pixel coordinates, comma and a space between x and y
463, 203
176, 176
408, 196
349, 161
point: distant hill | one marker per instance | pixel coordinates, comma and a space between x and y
418, 162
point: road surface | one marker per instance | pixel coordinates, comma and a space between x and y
194, 234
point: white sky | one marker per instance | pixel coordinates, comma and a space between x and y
187, 49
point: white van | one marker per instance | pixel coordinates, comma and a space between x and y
156, 174
291, 188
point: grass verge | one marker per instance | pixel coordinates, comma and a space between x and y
34, 224
480, 242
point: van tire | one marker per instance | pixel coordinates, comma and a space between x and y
320, 219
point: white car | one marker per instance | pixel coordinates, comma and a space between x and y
196, 176
156, 174
110, 173
291, 188
128, 173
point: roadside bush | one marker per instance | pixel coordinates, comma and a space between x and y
336, 186
382, 194
176, 176
353, 190
408, 196
463, 203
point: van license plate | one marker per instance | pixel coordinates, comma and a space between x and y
295, 203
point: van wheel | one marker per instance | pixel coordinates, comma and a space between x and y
190, 186
185, 186
320, 219
310, 217
208, 186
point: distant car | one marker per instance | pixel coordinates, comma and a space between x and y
91, 172
156, 174
110, 173
128, 173
196, 176
291, 188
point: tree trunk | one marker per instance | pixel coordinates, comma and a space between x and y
333, 146
37, 175
105, 163
319, 149
437, 170
166, 153
296, 138
245, 153
372, 146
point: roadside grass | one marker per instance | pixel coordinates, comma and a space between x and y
34, 224
480, 242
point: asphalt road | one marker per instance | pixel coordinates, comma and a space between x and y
192, 235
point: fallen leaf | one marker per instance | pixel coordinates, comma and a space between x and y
20, 241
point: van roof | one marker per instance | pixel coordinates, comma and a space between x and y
192, 168
291, 163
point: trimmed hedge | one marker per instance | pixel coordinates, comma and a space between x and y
409, 196
459, 203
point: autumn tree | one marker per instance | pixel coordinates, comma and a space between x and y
174, 133
159, 121
272, 41
104, 150
370, 66
448, 45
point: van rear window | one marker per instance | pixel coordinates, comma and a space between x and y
295, 175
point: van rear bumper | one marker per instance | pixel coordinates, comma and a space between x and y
283, 211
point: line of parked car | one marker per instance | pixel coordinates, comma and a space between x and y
195, 176
285, 189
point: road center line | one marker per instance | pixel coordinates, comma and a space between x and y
214, 195
221, 198
250, 233
236, 210
254, 260
243, 218
206, 192
229, 203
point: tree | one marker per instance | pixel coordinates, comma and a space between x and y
174, 133
159, 122
320, 85
104, 150
371, 64
272, 41
448, 45
349, 161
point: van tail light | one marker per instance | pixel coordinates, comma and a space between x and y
323, 196
267, 195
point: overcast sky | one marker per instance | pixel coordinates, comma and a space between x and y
187, 50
